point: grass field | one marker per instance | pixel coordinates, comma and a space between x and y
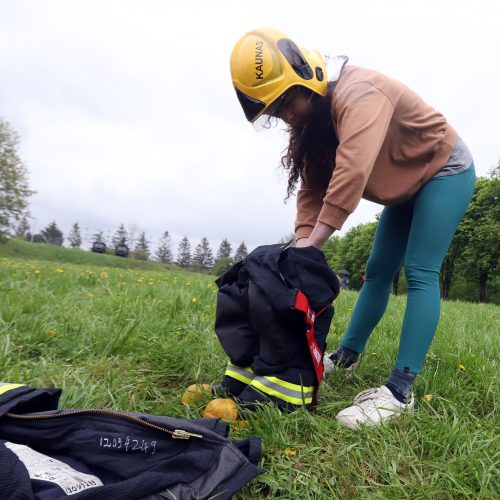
133, 339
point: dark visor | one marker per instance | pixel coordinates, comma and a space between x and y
251, 107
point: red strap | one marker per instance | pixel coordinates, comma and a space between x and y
302, 305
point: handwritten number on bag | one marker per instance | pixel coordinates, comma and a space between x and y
128, 444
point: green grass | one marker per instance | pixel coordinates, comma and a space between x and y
18, 248
133, 339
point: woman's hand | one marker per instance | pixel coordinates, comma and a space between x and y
318, 237
303, 242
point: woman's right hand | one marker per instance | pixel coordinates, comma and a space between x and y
302, 242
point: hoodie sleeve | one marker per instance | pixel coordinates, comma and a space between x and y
363, 114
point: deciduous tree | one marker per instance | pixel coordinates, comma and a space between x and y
14, 189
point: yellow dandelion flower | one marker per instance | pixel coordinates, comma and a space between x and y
194, 299
37, 271
374, 353
461, 368
289, 452
50, 333
428, 398
58, 270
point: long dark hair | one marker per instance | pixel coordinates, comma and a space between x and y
311, 148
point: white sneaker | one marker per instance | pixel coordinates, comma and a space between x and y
372, 407
330, 366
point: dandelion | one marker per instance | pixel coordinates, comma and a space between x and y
428, 398
58, 270
50, 333
289, 452
37, 271
194, 300
461, 368
374, 353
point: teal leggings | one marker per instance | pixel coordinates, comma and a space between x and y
417, 235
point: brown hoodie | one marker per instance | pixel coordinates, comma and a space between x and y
390, 143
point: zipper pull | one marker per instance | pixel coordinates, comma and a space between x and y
182, 434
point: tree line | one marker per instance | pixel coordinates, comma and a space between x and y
202, 258
472, 260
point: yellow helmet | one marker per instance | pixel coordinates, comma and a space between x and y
265, 63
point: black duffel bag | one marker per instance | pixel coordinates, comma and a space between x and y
50, 453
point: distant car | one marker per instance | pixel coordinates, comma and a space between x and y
121, 250
99, 247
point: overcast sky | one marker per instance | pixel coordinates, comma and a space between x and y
126, 110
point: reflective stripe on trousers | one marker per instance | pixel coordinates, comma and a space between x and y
244, 375
272, 386
291, 393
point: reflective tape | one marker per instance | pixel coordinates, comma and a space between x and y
4, 387
244, 375
291, 393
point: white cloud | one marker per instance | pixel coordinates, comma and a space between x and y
127, 113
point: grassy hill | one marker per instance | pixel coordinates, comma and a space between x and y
131, 335
18, 248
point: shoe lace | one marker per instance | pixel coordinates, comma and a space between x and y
367, 395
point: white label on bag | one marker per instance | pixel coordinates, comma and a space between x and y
45, 468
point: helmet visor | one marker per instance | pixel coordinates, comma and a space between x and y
251, 107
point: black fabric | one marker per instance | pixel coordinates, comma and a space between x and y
256, 323
14, 478
131, 458
232, 318
26, 399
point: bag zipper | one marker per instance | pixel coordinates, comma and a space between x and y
176, 433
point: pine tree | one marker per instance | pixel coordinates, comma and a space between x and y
99, 236
203, 254
241, 253
141, 250
23, 228
75, 237
120, 237
184, 252
52, 234
164, 253
225, 249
